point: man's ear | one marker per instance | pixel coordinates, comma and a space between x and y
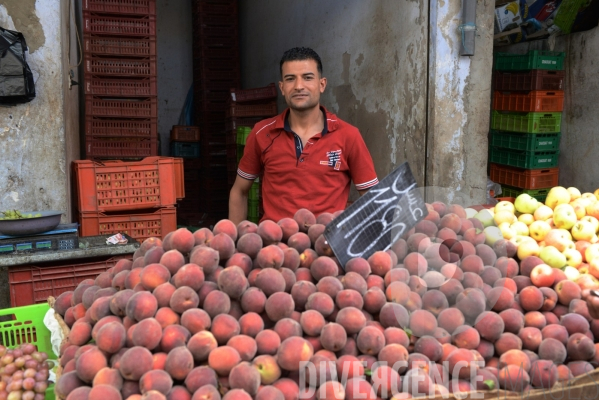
281, 87
323, 84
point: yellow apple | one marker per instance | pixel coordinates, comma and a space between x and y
518, 240
520, 228
505, 205
552, 257
591, 252
526, 218
571, 273
524, 203
595, 239
538, 230
556, 196
573, 257
470, 212
574, 193
528, 248
564, 216
506, 231
589, 196
557, 238
584, 201
579, 209
593, 209
485, 217
596, 193
502, 216
583, 230
594, 221
543, 213
566, 233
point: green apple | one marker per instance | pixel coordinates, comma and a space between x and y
564, 216
538, 230
526, 204
505, 205
470, 212
485, 217
552, 257
492, 234
583, 230
520, 228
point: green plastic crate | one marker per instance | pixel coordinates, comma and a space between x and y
566, 14
27, 326
525, 141
539, 194
534, 59
239, 152
254, 193
527, 122
185, 149
524, 159
253, 209
242, 134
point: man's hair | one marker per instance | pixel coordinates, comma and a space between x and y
301, 54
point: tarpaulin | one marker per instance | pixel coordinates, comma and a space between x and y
16, 79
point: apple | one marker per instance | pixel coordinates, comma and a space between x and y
579, 209
557, 238
492, 234
594, 267
505, 205
506, 231
526, 204
528, 248
574, 193
564, 216
581, 246
596, 193
595, 239
566, 233
583, 230
587, 281
538, 230
526, 218
542, 276
593, 209
556, 196
552, 257
520, 228
591, 252
543, 213
470, 212
571, 273
485, 217
573, 257
594, 221
502, 216
589, 196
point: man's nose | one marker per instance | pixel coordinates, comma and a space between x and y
299, 84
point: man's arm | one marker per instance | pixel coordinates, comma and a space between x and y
238, 199
363, 192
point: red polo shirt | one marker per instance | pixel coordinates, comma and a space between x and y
317, 176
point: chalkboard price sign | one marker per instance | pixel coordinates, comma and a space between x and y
379, 218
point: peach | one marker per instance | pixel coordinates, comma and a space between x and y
312, 322
108, 376
135, 362
154, 275
426, 227
224, 245
528, 264
292, 352
471, 302
303, 274
489, 325
184, 298
531, 298
133, 278
505, 248
174, 336
507, 341
141, 305
354, 281
216, 302
380, 263
183, 241
375, 280
423, 323
323, 266
270, 232
543, 374
156, 380
195, 320
351, 319
534, 319
201, 344
416, 264
396, 315
567, 291
472, 280
531, 338
153, 256
513, 378
450, 318
515, 357
575, 323
270, 256
486, 253
580, 347
499, 299
578, 368
321, 302
417, 241
451, 288
358, 265
307, 257
288, 327
223, 359
374, 300
253, 300
246, 227
557, 332
397, 292
207, 392
227, 227
552, 349
300, 291
460, 363
429, 347
465, 337
250, 244
279, 305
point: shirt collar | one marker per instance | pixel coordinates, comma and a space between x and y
325, 129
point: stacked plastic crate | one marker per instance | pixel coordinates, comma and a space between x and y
136, 198
525, 134
119, 39
215, 71
185, 143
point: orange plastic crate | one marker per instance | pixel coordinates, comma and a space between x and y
121, 6
30, 284
119, 185
179, 178
533, 101
120, 148
181, 133
120, 87
524, 178
139, 226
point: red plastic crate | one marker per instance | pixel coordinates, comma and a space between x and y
120, 87
233, 123
536, 79
252, 110
142, 7
524, 178
118, 185
204, 43
139, 226
138, 108
204, 8
534, 101
119, 148
120, 46
30, 284
262, 93
203, 52
101, 24
179, 178
217, 96
203, 30
141, 128
125, 67
181, 133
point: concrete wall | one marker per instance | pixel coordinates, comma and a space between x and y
579, 144
175, 63
374, 56
34, 173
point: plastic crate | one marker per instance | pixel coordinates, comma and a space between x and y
524, 159
216, 96
119, 148
101, 24
566, 14
179, 178
233, 123
185, 149
524, 178
252, 110
254, 193
525, 141
534, 59
181, 133
242, 134
120, 46
120, 87
30, 284
200, 52
253, 210
536, 79
141, 128
136, 108
118, 185
139, 226
262, 93
534, 101
231, 77
240, 149
204, 9
527, 122
125, 67
142, 7
512, 192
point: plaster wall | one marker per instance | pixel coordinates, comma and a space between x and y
175, 63
374, 56
34, 173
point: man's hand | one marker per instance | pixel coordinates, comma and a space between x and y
592, 299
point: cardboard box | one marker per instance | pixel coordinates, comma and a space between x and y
507, 17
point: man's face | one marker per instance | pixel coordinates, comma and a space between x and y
302, 85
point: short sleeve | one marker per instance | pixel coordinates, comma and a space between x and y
361, 167
250, 164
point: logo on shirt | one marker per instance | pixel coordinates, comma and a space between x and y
334, 159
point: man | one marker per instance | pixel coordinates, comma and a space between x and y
306, 156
